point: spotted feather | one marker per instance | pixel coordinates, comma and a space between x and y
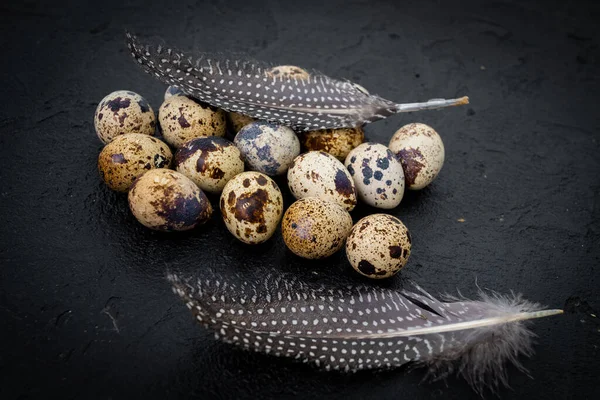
358, 328
303, 102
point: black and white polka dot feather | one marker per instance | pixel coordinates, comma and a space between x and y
247, 87
359, 327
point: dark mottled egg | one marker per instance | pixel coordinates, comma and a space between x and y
123, 112
173, 91
166, 200
337, 142
129, 156
288, 72
319, 174
237, 121
183, 119
421, 152
378, 246
268, 148
251, 206
377, 175
315, 228
210, 162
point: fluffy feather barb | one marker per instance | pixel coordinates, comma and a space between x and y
358, 327
304, 102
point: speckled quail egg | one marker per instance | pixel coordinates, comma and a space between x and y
237, 121
337, 142
166, 200
315, 228
378, 246
123, 112
268, 148
377, 175
251, 206
421, 152
173, 91
319, 174
183, 118
288, 72
210, 162
129, 156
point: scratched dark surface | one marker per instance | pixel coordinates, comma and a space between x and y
84, 306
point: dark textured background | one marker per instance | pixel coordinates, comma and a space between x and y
522, 170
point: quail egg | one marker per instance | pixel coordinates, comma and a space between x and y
183, 118
288, 72
166, 200
378, 246
237, 121
123, 112
251, 206
129, 156
315, 228
421, 151
337, 142
377, 174
173, 91
319, 174
268, 148
210, 162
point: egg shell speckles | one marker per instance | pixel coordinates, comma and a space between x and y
183, 119
129, 156
268, 148
237, 121
288, 72
377, 174
421, 152
210, 162
173, 91
337, 142
318, 174
315, 228
123, 112
378, 246
251, 206
166, 200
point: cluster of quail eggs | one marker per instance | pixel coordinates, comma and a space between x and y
329, 171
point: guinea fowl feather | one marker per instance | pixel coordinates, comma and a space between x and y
249, 87
356, 328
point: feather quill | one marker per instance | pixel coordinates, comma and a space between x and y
310, 102
355, 328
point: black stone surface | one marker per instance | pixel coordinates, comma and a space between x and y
85, 309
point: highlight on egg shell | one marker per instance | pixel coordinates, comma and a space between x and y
421, 151
251, 205
123, 112
337, 142
315, 228
184, 118
377, 174
378, 246
268, 148
319, 174
129, 156
210, 162
165, 200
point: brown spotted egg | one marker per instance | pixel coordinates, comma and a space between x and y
183, 118
237, 121
129, 156
315, 228
123, 112
288, 72
378, 246
337, 142
173, 91
377, 175
319, 174
251, 206
268, 148
166, 200
421, 152
210, 162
